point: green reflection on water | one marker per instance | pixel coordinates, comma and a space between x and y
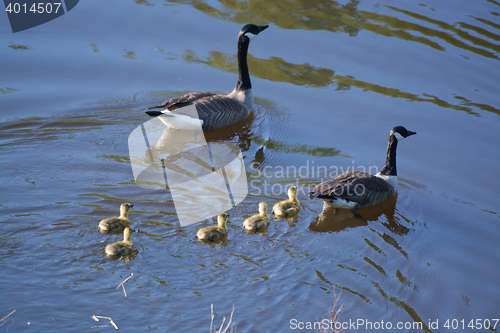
20, 47
296, 148
449, 38
278, 70
116, 158
273, 69
7, 90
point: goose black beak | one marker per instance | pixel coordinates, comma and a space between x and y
411, 133
263, 27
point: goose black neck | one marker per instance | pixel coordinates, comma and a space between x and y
389, 168
243, 75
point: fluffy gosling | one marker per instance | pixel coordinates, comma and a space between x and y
216, 231
123, 247
259, 221
116, 223
290, 207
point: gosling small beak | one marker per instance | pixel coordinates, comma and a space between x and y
131, 206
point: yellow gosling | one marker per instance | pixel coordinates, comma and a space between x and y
290, 207
123, 247
259, 221
214, 232
116, 223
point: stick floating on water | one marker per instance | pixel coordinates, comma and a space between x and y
121, 284
96, 318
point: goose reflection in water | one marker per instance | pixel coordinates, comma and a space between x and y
204, 174
336, 219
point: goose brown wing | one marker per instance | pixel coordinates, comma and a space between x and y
215, 110
184, 100
220, 111
364, 189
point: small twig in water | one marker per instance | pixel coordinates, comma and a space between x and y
333, 314
121, 284
12, 320
221, 329
96, 318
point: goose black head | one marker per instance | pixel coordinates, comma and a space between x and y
400, 133
252, 30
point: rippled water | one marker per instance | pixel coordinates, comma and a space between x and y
331, 80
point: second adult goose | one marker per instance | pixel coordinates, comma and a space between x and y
214, 110
356, 189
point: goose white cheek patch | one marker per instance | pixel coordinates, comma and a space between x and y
204, 179
398, 136
250, 35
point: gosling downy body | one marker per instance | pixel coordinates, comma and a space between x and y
288, 208
356, 189
214, 232
118, 223
257, 222
123, 247
212, 110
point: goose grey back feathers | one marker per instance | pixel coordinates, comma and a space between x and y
356, 189
214, 110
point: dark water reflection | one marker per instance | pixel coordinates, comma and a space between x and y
335, 17
278, 70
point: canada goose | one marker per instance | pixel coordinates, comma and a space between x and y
123, 247
259, 221
116, 223
214, 110
290, 207
356, 189
216, 231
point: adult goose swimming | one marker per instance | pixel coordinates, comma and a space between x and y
214, 110
356, 189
